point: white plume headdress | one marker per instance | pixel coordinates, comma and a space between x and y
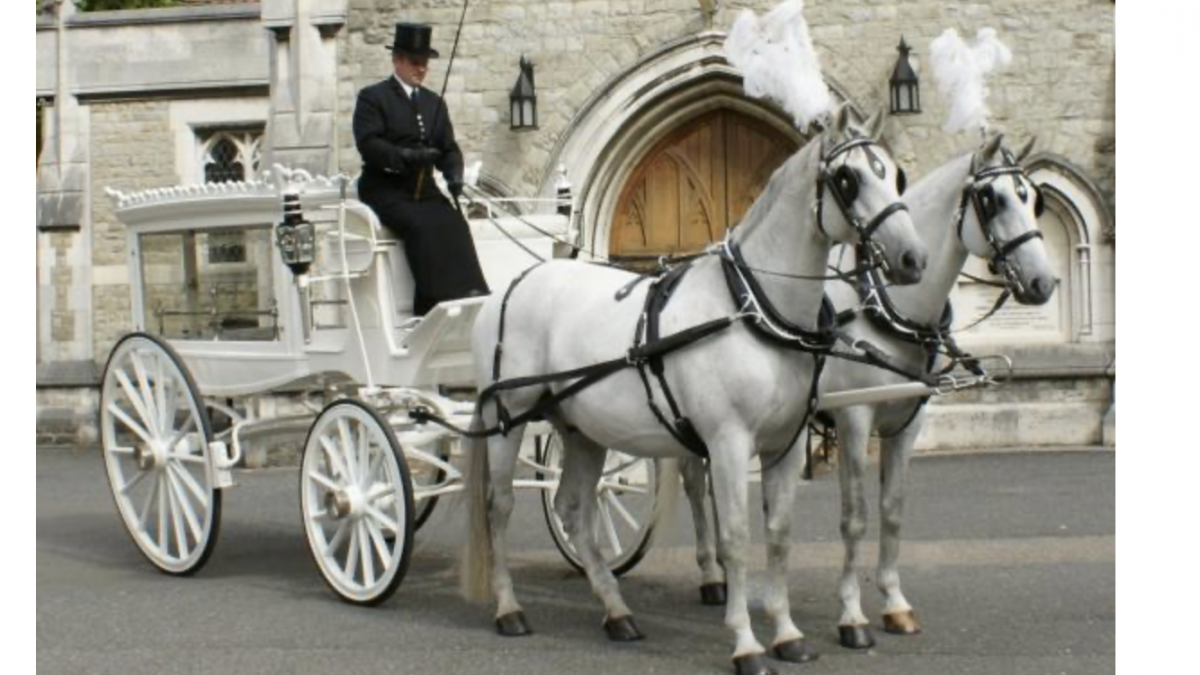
961, 72
776, 58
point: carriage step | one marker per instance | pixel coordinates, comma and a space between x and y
223, 463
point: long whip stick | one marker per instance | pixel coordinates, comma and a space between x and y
442, 96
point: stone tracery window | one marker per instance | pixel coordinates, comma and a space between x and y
230, 155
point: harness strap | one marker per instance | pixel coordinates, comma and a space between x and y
501, 412
650, 354
883, 215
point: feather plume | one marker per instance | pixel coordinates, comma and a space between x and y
776, 58
961, 72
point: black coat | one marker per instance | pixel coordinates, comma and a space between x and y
437, 241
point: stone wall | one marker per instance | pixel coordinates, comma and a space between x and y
1059, 87
132, 149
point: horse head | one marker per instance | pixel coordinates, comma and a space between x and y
865, 183
999, 222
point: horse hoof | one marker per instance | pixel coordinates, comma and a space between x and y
513, 625
795, 651
713, 595
856, 637
751, 664
901, 623
622, 629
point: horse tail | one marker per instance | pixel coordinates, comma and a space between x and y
475, 570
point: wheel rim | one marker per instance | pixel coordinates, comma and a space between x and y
625, 513
157, 456
356, 503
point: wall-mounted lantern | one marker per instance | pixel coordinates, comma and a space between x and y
906, 88
523, 99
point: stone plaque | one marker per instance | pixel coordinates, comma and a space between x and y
1013, 322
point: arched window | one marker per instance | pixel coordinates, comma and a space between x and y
230, 155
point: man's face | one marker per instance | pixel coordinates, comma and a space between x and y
411, 69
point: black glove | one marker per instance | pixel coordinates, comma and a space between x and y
420, 156
455, 185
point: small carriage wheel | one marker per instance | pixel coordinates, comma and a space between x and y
156, 432
356, 502
429, 474
627, 495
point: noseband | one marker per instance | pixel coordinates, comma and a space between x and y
980, 193
843, 183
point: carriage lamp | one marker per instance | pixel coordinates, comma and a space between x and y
295, 236
905, 86
523, 99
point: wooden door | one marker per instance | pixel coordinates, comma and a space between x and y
694, 185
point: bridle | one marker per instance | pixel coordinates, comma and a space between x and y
980, 193
843, 184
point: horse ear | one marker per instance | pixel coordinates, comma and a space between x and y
875, 124
991, 148
1026, 150
841, 123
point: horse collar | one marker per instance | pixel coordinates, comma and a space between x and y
750, 299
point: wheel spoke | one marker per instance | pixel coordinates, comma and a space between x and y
133, 483
176, 519
368, 560
382, 519
139, 369
618, 488
162, 514
352, 555
129, 422
326, 482
121, 450
621, 511
146, 503
335, 458
347, 447
189, 481
338, 535
364, 455
187, 427
380, 491
135, 397
610, 529
160, 391
185, 503
380, 543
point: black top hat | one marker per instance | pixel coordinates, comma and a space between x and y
414, 39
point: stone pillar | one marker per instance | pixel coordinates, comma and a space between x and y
63, 217
302, 129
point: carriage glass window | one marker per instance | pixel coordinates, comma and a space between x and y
210, 285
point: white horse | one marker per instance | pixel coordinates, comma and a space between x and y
978, 204
744, 388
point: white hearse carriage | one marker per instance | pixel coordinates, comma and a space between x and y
225, 330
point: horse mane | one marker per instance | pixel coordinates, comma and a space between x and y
780, 180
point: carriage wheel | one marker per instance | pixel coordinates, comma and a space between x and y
356, 501
424, 473
625, 518
156, 433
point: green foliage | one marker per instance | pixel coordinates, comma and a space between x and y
104, 5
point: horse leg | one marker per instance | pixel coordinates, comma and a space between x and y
854, 432
780, 479
502, 461
712, 576
577, 507
729, 468
898, 615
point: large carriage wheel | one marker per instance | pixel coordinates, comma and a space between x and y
625, 515
356, 501
156, 433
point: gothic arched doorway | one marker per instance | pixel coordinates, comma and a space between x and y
694, 185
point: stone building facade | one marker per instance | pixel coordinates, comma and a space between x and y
616, 81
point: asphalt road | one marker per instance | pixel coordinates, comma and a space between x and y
1010, 562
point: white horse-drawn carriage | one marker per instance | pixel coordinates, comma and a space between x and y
234, 352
